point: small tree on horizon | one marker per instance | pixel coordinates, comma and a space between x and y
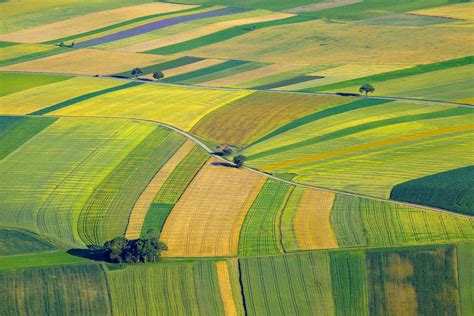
137, 72
239, 160
158, 75
366, 88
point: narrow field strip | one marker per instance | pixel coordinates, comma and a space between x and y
364, 127
182, 61
139, 211
225, 72
287, 225
89, 22
192, 67
33, 57
105, 214
25, 129
15, 51
84, 97
12, 83
288, 82
312, 220
355, 105
226, 288
260, 233
172, 189
185, 78
206, 220
351, 150
221, 36
158, 25
206, 30
37, 98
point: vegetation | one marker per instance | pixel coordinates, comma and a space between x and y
239, 160
136, 72
14, 242
157, 75
122, 250
366, 88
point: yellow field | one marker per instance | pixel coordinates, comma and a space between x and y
207, 219
34, 99
21, 50
88, 62
250, 75
226, 288
202, 31
462, 11
312, 220
178, 106
139, 211
89, 22
389, 44
192, 67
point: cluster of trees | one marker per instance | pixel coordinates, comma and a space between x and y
226, 150
156, 75
122, 250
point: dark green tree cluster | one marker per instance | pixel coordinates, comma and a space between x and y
122, 250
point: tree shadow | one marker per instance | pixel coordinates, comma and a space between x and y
91, 253
223, 164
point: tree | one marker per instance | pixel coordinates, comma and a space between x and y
366, 88
158, 75
122, 250
239, 160
137, 72
113, 249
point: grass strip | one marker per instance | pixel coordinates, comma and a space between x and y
84, 97
21, 132
287, 82
205, 71
359, 104
222, 36
7, 44
43, 259
362, 128
163, 66
420, 69
30, 57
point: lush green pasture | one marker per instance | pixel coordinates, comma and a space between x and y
419, 281
14, 242
47, 181
113, 199
287, 228
288, 285
262, 115
173, 188
451, 190
65, 290
465, 255
260, 232
22, 130
363, 222
40, 259
182, 288
12, 83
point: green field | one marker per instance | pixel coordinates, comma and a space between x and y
14, 242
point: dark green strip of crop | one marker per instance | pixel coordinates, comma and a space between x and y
7, 44
450, 190
420, 69
286, 82
227, 72
156, 217
84, 97
205, 71
164, 66
359, 104
117, 25
222, 36
364, 127
21, 132
7, 122
30, 57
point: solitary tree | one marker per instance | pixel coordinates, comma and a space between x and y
366, 88
158, 75
137, 72
239, 160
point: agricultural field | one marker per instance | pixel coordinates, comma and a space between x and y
204, 157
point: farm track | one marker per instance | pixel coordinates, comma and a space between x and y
465, 105
212, 153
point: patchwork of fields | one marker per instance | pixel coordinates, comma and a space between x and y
113, 116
